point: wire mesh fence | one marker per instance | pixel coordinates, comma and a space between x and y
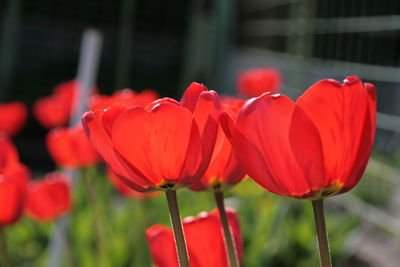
311, 40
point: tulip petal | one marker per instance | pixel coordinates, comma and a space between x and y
339, 113
306, 145
11, 201
8, 153
167, 100
191, 95
48, 198
204, 240
272, 115
201, 232
110, 115
92, 123
12, 117
206, 115
162, 246
155, 142
59, 144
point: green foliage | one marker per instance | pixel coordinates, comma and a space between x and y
277, 231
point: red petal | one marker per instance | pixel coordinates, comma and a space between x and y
162, 246
227, 125
11, 201
204, 237
154, 143
17, 172
207, 114
265, 123
93, 126
166, 100
70, 148
191, 95
51, 112
110, 115
48, 198
254, 82
12, 117
59, 144
234, 224
8, 153
306, 145
339, 113
223, 169
372, 105
84, 150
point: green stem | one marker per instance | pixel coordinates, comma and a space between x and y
140, 215
229, 244
3, 248
97, 220
180, 242
323, 243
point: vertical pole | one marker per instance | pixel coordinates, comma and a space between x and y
87, 72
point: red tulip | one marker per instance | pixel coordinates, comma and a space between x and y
48, 198
10, 166
314, 148
223, 171
204, 238
11, 201
166, 145
254, 82
12, 117
55, 110
126, 97
70, 148
126, 190
13, 179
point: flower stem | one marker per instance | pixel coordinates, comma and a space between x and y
323, 243
180, 242
3, 248
229, 244
97, 220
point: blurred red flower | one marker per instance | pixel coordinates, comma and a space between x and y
224, 170
126, 97
314, 148
204, 239
126, 190
48, 198
70, 148
13, 179
254, 82
12, 117
55, 110
166, 145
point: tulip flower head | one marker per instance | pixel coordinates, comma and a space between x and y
12, 117
126, 97
204, 238
313, 148
48, 198
55, 110
224, 170
254, 82
14, 177
164, 146
70, 148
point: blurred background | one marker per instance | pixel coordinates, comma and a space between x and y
164, 45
